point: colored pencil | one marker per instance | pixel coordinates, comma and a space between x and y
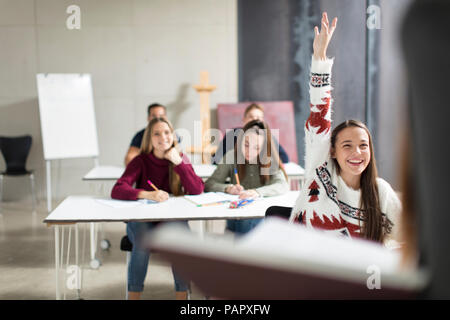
213, 203
236, 176
150, 183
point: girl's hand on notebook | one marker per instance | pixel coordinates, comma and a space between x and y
322, 38
249, 194
173, 156
158, 196
234, 189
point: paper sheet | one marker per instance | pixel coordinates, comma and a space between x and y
123, 203
211, 197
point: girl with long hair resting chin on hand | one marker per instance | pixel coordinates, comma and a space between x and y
342, 192
171, 172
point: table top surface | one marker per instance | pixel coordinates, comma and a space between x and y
80, 209
202, 170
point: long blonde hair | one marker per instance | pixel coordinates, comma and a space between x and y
147, 147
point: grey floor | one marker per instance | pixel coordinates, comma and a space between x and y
27, 261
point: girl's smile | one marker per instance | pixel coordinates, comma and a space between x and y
352, 153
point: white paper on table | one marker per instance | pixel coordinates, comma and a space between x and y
211, 197
123, 203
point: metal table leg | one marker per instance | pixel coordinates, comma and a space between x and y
94, 263
57, 261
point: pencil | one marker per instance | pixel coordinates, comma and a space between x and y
150, 183
212, 204
236, 176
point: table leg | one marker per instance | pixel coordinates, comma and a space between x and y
93, 241
202, 229
208, 226
57, 266
1, 192
95, 263
49, 186
76, 245
77, 263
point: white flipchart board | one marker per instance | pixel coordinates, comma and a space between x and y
66, 107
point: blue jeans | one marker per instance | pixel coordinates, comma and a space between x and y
243, 226
137, 268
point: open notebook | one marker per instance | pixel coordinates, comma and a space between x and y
278, 260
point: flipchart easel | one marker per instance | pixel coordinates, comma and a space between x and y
204, 89
67, 117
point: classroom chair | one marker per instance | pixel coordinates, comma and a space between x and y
278, 211
15, 151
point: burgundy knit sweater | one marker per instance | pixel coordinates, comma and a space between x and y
147, 167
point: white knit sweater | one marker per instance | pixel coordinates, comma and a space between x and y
325, 201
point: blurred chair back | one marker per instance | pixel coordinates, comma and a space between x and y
15, 151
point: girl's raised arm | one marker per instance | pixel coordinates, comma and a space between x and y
318, 124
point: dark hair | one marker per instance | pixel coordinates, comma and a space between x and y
374, 225
260, 128
154, 105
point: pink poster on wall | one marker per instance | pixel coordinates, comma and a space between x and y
278, 114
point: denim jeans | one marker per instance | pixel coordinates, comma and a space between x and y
137, 268
243, 226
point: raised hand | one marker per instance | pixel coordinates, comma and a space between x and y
322, 38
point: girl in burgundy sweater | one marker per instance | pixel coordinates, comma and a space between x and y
171, 172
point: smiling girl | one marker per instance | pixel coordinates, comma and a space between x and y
170, 172
342, 192
256, 161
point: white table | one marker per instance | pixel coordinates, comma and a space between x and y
85, 209
104, 173
294, 172
204, 171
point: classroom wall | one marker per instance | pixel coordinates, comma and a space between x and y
137, 52
265, 40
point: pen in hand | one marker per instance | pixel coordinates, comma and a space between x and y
236, 176
153, 186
